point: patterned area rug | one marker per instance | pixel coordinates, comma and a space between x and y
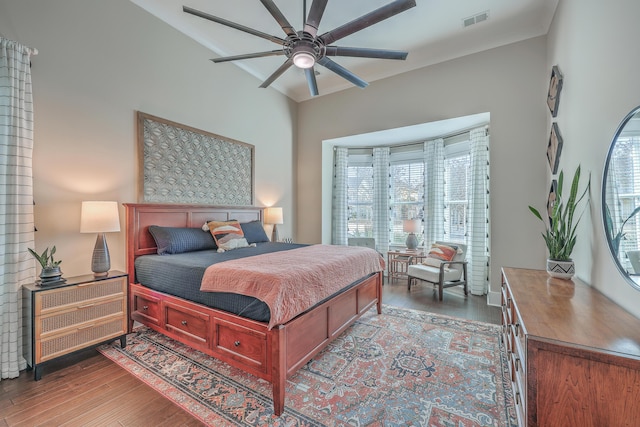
400, 368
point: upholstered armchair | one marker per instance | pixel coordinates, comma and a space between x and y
445, 266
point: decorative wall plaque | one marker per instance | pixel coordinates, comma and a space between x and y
181, 164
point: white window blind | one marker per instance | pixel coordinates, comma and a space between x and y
360, 196
456, 170
406, 198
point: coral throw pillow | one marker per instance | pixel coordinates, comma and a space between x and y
442, 252
227, 234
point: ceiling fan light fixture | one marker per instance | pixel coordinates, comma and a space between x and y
304, 59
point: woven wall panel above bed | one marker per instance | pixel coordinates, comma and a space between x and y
181, 164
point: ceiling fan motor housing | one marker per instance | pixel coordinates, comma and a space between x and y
303, 50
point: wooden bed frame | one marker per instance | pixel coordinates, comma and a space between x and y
274, 354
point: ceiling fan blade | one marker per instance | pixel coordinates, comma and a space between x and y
284, 67
342, 72
204, 15
315, 15
311, 81
367, 20
279, 17
249, 56
363, 52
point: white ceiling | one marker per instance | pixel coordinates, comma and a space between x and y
431, 32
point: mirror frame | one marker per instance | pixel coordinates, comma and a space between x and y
605, 174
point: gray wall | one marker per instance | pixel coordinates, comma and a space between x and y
510, 82
99, 62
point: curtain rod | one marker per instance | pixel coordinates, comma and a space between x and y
420, 141
31, 50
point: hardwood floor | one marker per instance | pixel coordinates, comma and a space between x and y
88, 389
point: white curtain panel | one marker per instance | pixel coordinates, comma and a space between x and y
478, 226
17, 267
339, 204
381, 197
433, 191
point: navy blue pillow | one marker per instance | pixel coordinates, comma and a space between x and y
254, 232
177, 240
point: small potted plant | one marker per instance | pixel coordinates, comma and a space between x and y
560, 233
50, 268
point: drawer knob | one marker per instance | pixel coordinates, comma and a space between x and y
237, 343
184, 322
145, 307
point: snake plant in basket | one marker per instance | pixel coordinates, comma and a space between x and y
560, 234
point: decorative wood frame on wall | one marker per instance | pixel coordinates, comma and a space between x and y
181, 164
555, 87
554, 148
551, 200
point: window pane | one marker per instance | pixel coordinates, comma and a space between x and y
456, 172
360, 201
406, 198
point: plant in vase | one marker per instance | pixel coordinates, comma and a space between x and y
50, 267
560, 234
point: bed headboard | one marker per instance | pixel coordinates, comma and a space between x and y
139, 216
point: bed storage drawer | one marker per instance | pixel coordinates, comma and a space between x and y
191, 324
241, 344
145, 308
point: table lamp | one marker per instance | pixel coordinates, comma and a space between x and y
411, 226
273, 216
100, 217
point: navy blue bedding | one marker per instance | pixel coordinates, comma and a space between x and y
180, 275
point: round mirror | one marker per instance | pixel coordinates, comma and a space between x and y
621, 198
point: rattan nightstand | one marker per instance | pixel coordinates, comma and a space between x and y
82, 312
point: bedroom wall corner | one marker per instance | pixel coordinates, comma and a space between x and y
99, 63
509, 82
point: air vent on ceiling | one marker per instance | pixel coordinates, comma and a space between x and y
479, 17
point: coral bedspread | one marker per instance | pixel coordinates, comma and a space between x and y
292, 281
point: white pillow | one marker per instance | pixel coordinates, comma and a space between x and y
234, 244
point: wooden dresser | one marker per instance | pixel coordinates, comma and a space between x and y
574, 354
82, 312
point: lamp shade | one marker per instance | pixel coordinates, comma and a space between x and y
273, 216
99, 217
411, 225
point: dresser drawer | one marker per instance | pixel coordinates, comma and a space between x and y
79, 337
242, 344
72, 317
191, 324
62, 298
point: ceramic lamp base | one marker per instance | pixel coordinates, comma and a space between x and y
100, 261
412, 241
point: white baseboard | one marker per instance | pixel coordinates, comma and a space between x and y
494, 299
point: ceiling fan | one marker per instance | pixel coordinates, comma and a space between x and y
306, 48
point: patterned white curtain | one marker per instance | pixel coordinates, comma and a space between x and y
339, 205
381, 198
433, 191
478, 226
16, 195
